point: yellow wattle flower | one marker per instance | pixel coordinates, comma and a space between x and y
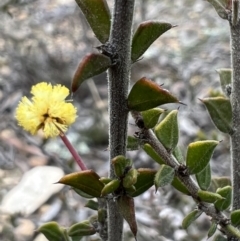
47, 110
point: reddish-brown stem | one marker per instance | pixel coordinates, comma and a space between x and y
74, 153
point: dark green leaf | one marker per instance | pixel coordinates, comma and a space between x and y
98, 16
235, 218
120, 165
176, 183
145, 35
133, 143
167, 131
153, 154
220, 111
87, 181
199, 154
178, 155
92, 205
146, 94
212, 229
83, 228
91, 65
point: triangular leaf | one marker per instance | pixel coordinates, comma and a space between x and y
146, 33
167, 131
127, 210
91, 65
87, 181
98, 16
199, 154
220, 111
146, 94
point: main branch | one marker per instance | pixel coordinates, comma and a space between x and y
119, 47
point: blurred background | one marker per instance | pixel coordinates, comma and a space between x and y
44, 40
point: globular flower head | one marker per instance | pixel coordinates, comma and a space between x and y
46, 110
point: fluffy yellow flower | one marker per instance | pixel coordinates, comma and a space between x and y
47, 110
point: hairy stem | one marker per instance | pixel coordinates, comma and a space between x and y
118, 82
235, 137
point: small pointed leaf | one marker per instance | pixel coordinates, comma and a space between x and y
127, 210
164, 176
167, 131
220, 111
87, 181
91, 65
190, 218
204, 178
212, 230
235, 217
220, 8
98, 16
83, 228
209, 197
144, 181
110, 187
224, 204
146, 94
52, 231
225, 79
151, 117
199, 154
179, 155
153, 154
146, 33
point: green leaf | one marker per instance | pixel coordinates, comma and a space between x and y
212, 229
235, 218
130, 178
110, 187
209, 197
176, 183
224, 204
146, 33
82, 194
52, 231
164, 176
98, 16
120, 165
177, 152
91, 65
167, 131
204, 178
220, 111
127, 210
83, 228
87, 181
133, 143
92, 205
225, 79
151, 117
144, 181
190, 218
220, 8
199, 154
219, 182
146, 94
153, 154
